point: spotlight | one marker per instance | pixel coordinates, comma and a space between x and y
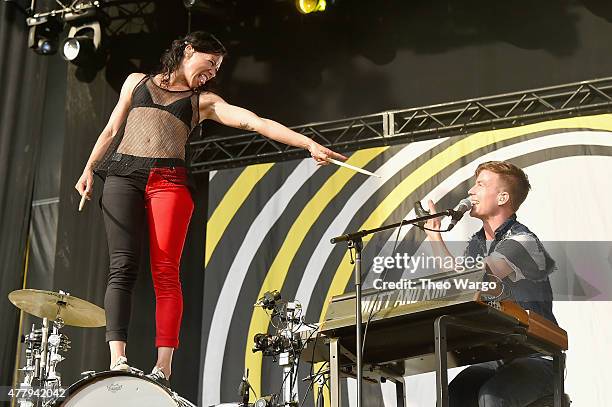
309, 6
78, 49
82, 43
44, 33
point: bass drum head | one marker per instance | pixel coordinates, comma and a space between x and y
117, 389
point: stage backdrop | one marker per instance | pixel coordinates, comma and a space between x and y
269, 227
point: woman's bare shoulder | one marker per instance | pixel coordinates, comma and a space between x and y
132, 80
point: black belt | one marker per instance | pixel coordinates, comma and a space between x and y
168, 162
156, 162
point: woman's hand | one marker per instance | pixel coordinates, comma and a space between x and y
85, 184
320, 154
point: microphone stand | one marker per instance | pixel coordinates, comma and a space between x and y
355, 241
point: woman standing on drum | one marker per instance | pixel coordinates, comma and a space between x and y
141, 155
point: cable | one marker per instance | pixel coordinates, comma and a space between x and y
432, 230
372, 314
312, 380
294, 353
297, 366
319, 398
283, 383
313, 354
286, 328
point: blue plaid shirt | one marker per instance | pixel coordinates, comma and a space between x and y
529, 285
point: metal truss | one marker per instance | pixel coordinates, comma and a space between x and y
408, 125
128, 16
116, 16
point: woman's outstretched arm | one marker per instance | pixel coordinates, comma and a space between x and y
215, 108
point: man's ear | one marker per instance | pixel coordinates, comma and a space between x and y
503, 198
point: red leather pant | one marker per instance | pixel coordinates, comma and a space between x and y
159, 196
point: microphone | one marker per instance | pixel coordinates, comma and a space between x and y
457, 213
268, 301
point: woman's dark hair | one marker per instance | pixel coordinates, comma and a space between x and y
201, 41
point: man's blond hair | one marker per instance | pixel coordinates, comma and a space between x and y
514, 179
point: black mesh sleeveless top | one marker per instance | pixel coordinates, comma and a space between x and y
155, 131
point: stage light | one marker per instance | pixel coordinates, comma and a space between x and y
46, 46
310, 6
44, 33
82, 43
78, 49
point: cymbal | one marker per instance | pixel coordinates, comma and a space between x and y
49, 304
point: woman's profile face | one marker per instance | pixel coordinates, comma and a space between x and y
200, 67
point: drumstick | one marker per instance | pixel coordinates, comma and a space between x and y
351, 167
82, 203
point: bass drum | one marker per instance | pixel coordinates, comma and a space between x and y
119, 389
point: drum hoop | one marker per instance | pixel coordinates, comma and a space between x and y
91, 378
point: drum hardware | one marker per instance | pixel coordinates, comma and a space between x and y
183, 400
284, 346
56, 343
245, 388
136, 370
119, 389
58, 307
266, 401
44, 346
43, 352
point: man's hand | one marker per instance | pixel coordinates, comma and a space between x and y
434, 224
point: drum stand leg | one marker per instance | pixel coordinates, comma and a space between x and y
289, 365
334, 372
441, 362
